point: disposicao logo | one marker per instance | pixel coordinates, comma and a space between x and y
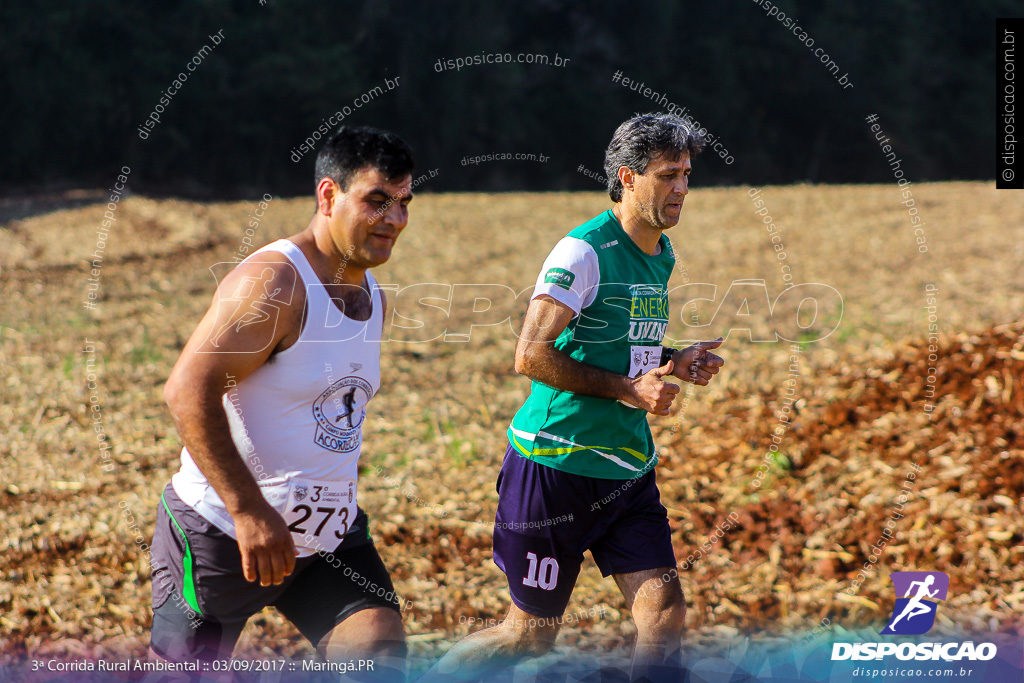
914, 614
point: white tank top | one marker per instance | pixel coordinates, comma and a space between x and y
297, 420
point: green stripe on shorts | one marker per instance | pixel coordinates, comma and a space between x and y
189, 581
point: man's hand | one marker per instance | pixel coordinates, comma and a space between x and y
266, 545
697, 364
652, 393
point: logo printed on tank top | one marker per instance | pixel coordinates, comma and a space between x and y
337, 418
648, 313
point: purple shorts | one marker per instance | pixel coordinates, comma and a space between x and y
546, 518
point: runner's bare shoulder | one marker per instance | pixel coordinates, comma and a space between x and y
255, 307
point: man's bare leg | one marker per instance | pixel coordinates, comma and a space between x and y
659, 610
371, 635
521, 635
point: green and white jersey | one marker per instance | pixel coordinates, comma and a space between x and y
620, 295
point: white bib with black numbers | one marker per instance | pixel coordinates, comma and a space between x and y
319, 513
643, 359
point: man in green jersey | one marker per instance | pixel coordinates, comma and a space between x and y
579, 470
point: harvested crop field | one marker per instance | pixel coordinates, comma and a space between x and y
866, 414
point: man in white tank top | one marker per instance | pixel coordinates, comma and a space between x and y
269, 396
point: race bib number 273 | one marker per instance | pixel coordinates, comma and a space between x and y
323, 510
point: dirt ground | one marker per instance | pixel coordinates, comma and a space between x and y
74, 582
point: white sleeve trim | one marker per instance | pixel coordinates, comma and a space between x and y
574, 260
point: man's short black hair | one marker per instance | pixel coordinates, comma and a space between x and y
643, 138
352, 149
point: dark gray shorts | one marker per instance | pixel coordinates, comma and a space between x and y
201, 600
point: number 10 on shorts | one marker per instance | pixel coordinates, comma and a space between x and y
546, 578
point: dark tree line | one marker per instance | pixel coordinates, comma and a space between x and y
80, 77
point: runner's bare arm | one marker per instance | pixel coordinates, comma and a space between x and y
256, 308
538, 359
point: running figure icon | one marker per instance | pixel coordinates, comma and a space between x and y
914, 606
918, 596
